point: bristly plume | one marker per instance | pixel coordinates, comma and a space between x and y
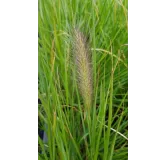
82, 61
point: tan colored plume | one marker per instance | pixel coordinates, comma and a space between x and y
82, 62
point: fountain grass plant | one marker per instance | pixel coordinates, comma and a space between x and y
84, 99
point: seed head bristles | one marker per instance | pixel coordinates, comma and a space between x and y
82, 62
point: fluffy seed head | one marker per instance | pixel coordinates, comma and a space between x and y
82, 62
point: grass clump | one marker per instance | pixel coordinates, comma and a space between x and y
83, 114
